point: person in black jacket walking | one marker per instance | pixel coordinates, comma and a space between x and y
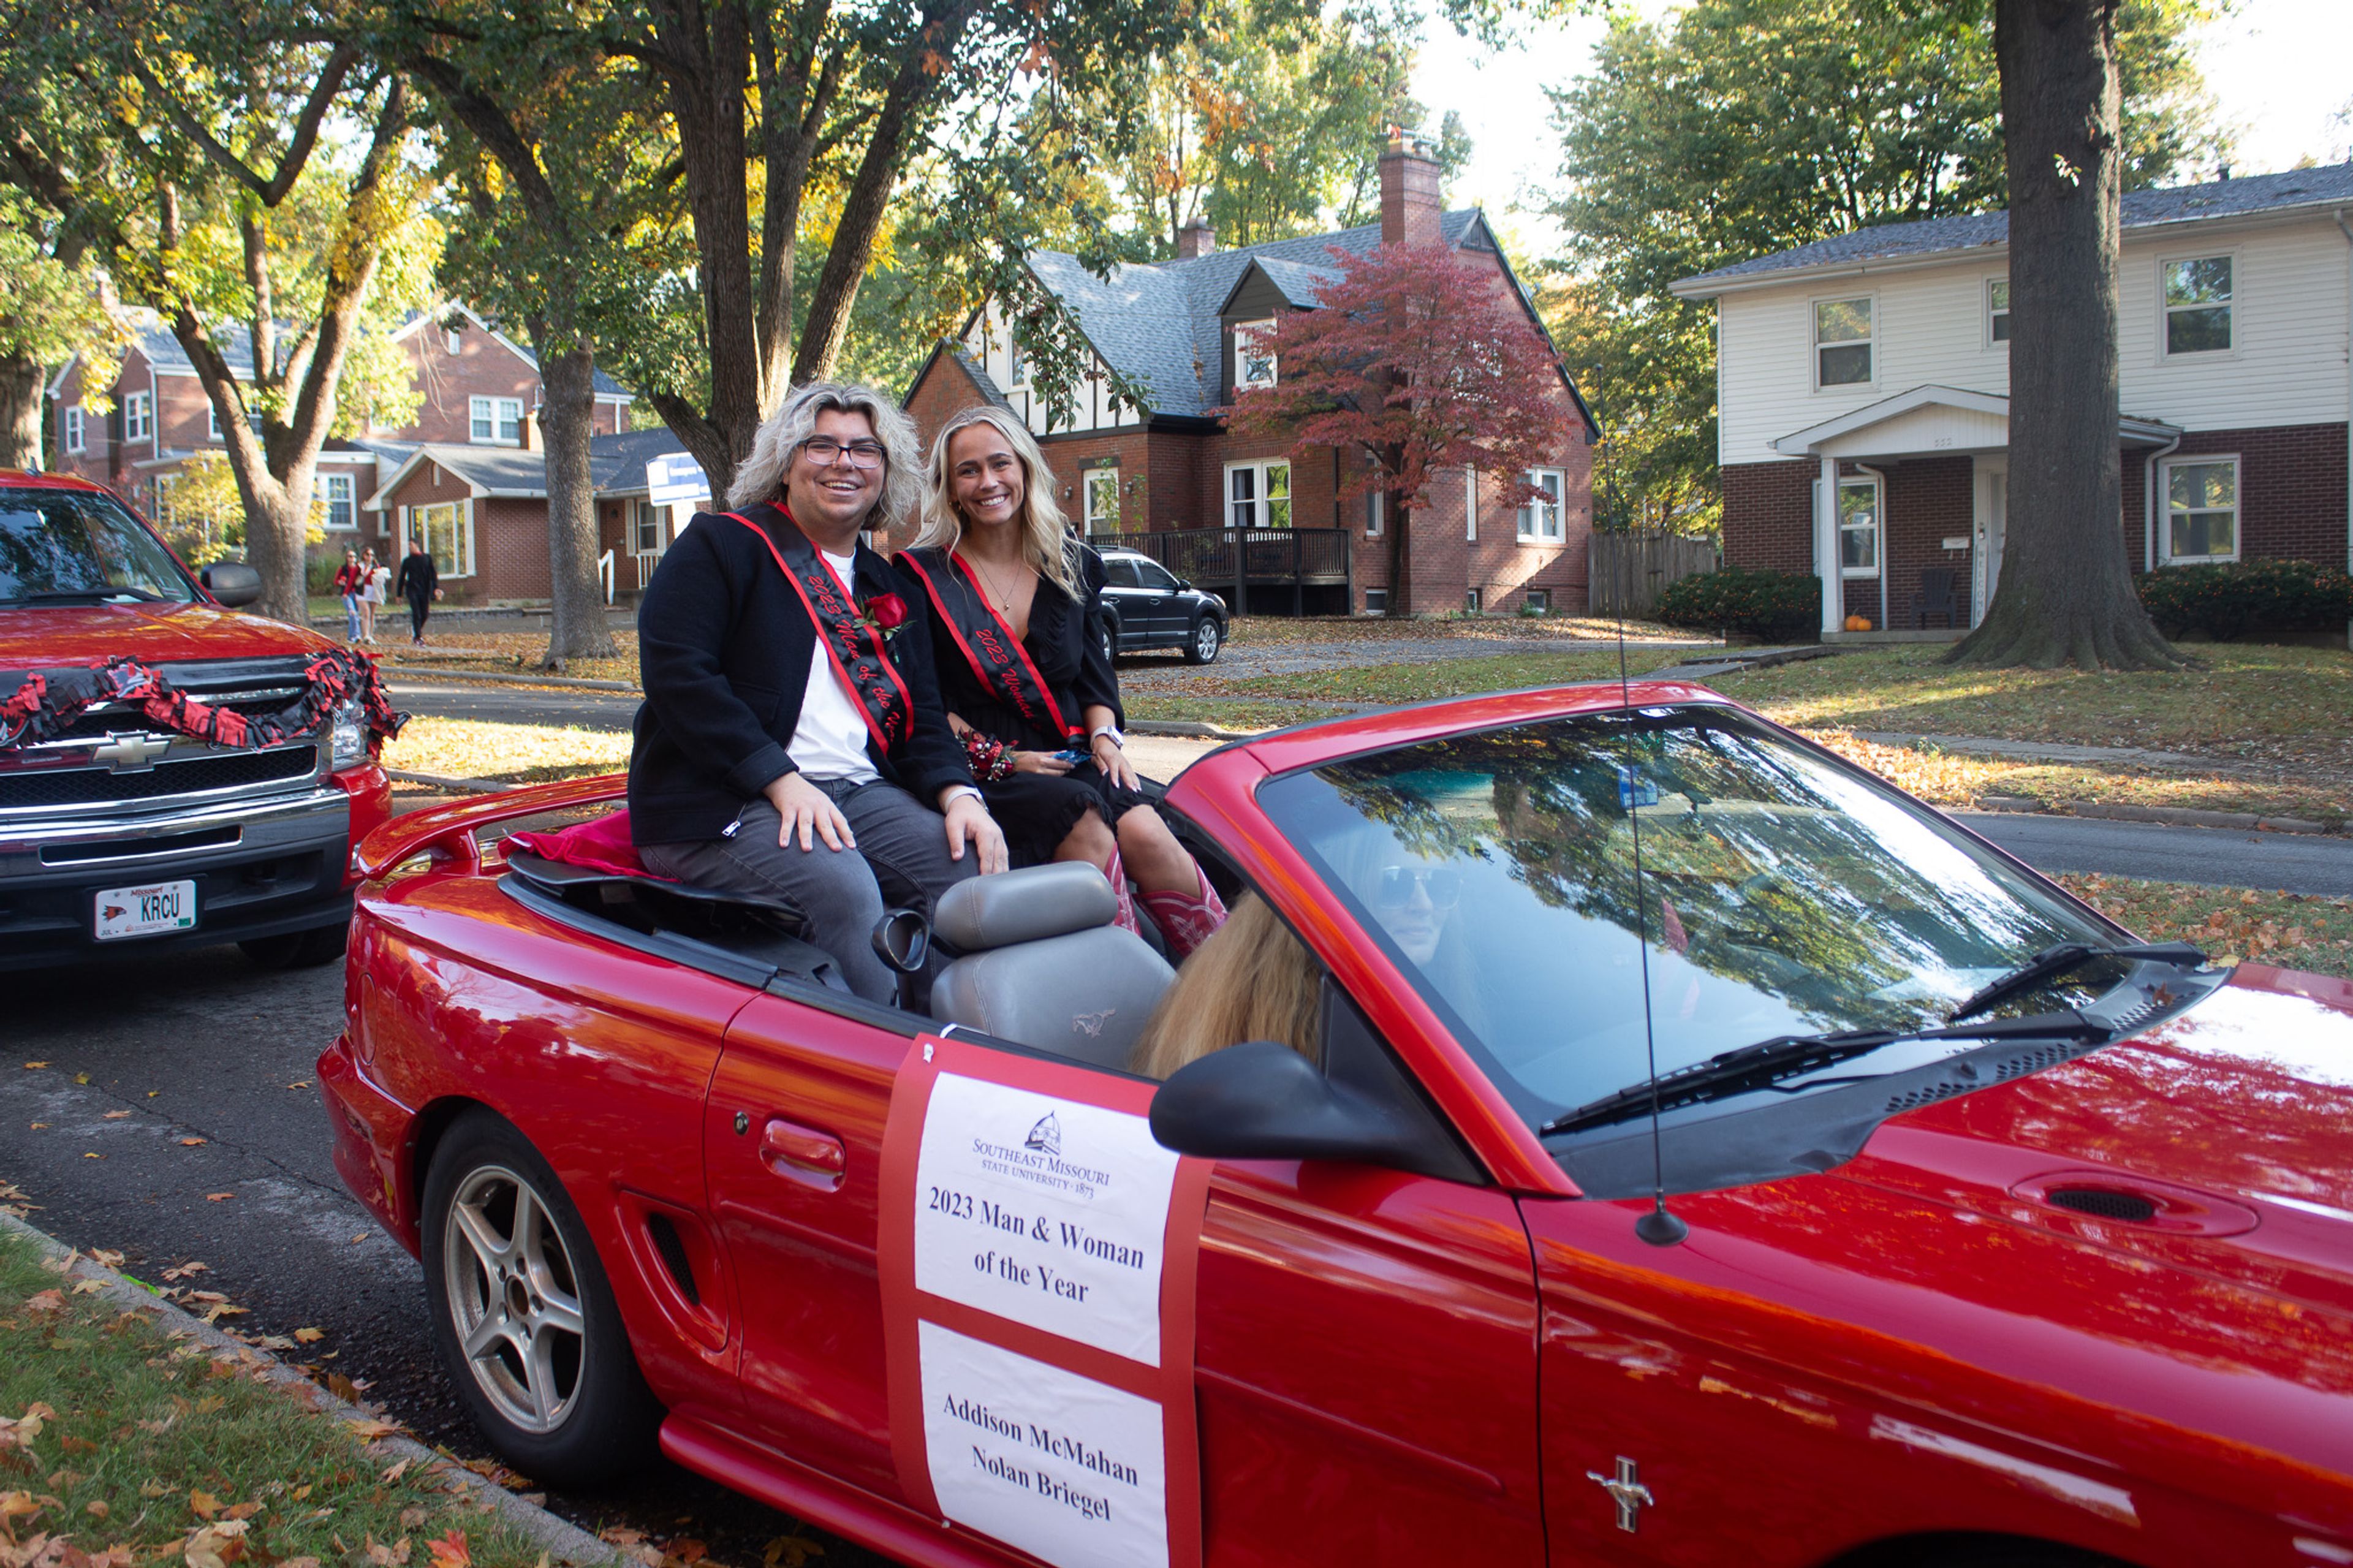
420, 584
791, 745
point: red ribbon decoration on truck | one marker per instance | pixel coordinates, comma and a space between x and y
47, 702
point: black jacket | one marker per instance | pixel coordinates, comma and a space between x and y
724, 647
1065, 642
417, 577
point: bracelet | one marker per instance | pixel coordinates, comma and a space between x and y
990, 759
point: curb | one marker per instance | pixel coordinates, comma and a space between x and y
1190, 730
562, 1540
443, 781
2166, 815
577, 682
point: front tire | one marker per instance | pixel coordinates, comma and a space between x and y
1110, 640
1207, 638
522, 1316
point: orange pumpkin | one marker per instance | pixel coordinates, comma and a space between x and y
1858, 622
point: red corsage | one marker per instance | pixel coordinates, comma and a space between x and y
991, 760
884, 613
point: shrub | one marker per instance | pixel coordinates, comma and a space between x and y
2226, 600
1769, 605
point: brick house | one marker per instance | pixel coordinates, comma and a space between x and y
1863, 411
480, 389
1171, 326
482, 513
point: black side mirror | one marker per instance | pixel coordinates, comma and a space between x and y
233, 583
1262, 1100
902, 939
1185, 584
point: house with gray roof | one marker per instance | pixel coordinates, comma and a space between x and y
1863, 395
1181, 329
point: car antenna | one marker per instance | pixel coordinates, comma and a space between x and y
1661, 1226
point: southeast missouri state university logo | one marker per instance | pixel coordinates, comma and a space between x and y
1046, 1137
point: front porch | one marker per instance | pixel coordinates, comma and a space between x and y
1911, 508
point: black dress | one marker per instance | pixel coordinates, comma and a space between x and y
1037, 811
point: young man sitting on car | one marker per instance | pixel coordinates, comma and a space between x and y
791, 745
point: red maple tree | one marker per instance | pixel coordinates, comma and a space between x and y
1424, 360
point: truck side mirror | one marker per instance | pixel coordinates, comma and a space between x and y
233, 583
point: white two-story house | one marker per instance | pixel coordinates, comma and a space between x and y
1863, 392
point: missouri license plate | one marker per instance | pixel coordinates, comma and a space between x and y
146, 910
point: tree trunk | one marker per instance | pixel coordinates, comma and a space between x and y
21, 386
2066, 590
567, 416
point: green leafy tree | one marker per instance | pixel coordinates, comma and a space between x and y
51, 311
1737, 128
238, 180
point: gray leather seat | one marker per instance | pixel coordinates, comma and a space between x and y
1043, 965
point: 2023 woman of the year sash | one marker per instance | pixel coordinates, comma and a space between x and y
855, 647
998, 661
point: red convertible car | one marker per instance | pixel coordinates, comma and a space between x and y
1709, 1156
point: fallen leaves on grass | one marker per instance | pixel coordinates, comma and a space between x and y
475, 749
2292, 930
450, 1550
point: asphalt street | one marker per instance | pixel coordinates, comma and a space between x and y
512, 704
2221, 857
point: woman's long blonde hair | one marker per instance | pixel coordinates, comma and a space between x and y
1046, 542
1253, 980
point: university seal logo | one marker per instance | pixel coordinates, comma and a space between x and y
1046, 1137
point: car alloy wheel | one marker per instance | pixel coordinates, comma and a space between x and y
1110, 640
513, 1299
1207, 637
522, 1315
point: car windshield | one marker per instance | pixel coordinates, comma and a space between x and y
66, 546
1781, 892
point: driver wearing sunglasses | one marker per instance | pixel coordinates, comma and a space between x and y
1413, 900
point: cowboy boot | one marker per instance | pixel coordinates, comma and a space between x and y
1186, 919
1117, 874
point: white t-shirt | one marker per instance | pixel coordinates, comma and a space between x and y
830, 742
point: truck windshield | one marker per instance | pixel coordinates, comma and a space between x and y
61, 547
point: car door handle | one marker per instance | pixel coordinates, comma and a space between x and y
803, 1154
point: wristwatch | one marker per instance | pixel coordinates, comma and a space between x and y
1112, 731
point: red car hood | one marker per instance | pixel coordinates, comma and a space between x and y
33, 638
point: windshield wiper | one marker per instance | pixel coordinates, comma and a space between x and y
2055, 962
1757, 1065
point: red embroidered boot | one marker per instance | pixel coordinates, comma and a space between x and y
1185, 919
1117, 875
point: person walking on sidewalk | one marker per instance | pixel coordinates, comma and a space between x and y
348, 583
420, 584
374, 575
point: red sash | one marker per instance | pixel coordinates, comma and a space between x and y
998, 659
859, 661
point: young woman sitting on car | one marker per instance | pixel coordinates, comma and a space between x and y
1014, 607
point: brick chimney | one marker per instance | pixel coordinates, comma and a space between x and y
1410, 205
1195, 239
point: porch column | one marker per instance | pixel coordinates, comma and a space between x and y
1826, 547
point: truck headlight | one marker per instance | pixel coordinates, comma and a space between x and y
351, 736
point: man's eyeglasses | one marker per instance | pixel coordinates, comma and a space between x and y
1443, 883
827, 452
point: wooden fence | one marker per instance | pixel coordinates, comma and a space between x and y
1628, 570
1265, 567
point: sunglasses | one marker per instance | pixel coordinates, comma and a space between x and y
1443, 884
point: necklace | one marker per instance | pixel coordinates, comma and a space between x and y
988, 583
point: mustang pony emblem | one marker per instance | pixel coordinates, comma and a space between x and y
1626, 1490
1091, 1024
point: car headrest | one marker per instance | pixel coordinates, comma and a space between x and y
1027, 905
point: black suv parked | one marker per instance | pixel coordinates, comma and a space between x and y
1146, 608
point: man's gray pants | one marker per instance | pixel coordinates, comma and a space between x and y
901, 862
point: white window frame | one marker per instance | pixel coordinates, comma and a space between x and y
1473, 602
2238, 508
213, 424
1090, 521
2166, 311
1814, 337
1533, 516
139, 416
1537, 599
1246, 334
1878, 528
645, 518
1998, 313
490, 412
1261, 503
1470, 504
1377, 512
462, 536
451, 342
1017, 366
323, 488
1377, 601
76, 431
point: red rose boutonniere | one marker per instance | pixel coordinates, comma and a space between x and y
884, 615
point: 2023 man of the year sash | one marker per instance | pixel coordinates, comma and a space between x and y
998, 661
855, 648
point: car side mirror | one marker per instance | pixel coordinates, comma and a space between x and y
233, 583
1262, 1101
902, 939
1184, 584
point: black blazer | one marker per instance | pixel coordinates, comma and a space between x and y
417, 577
724, 647
1065, 642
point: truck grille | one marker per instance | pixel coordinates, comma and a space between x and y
100, 786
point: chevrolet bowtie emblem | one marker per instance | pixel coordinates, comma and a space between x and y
130, 753
1626, 1490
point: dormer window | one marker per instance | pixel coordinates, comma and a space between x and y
1253, 353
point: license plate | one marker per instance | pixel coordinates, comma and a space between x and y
145, 910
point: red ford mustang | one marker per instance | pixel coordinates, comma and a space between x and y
1993, 1236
